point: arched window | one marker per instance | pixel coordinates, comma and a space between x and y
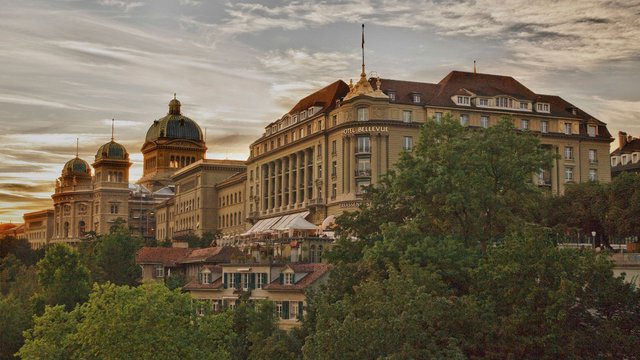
66, 229
312, 253
81, 228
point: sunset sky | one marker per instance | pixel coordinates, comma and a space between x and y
68, 67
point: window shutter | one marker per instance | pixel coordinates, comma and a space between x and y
300, 307
285, 309
236, 282
264, 279
281, 278
252, 281
293, 278
225, 280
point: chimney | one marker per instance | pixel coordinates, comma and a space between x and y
622, 139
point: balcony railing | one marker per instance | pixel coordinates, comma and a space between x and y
363, 172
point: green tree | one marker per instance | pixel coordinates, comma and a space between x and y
15, 318
115, 255
63, 277
623, 216
122, 322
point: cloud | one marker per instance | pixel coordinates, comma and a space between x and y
126, 5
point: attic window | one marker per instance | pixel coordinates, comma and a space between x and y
504, 102
591, 130
303, 115
288, 278
310, 111
463, 100
483, 102
416, 98
524, 106
392, 95
542, 107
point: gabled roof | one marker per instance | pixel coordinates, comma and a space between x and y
216, 254
481, 84
196, 285
325, 97
159, 255
631, 146
404, 90
312, 272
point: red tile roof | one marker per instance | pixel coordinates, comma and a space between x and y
314, 272
160, 255
219, 254
196, 285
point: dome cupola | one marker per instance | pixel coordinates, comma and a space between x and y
112, 151
174, 126
76, 166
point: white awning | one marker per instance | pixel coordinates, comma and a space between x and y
278, 223
297, 223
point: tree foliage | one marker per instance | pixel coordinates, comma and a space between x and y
63, 278
115, 256
122, 322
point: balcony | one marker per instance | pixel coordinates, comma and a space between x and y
363, 173
363, 150
316, 202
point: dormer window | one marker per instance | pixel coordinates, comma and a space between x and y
504, 102
288, 278
295, 119
524, 106
310, 111
483, 102
303, 115
591, 130
415, 98
542, 107
392, 95
463, 100
205, 276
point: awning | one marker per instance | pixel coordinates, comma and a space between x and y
298, 223
276, 223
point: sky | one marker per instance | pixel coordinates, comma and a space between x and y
69, 67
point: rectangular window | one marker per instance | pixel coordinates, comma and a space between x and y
464, 120
593, 156
334, 168
416, 98
334, 120
279, 309
591, 130
288, 279
406, 116
593, 175
524, 124
363, 114
392, 95
361, 184
463, 100
542, 107
334, 147
407, 143
438, 117
484, 102
568, 153
309, 129
334, 190
364, 144
364, 166
524, 106
484, 121
568, 174
567, 128
159, 271
544, 127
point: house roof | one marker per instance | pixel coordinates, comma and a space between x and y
631, 146
218, 254
325, 97
196, 285
313, 273
159, 255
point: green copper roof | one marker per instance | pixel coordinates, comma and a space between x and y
112, 151
174, 126
76, 166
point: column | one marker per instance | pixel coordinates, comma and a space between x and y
292, 166
375, 157
352, 161
314, 172
346, 164
264, 194
300, 180
278, 184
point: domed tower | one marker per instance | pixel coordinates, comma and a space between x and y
172, 142
72, 201
111, 186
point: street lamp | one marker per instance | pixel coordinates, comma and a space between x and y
593, 235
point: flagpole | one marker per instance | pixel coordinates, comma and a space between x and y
362, 45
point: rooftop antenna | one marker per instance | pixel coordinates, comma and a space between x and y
363, 73
112, 128
474, 66
77, 146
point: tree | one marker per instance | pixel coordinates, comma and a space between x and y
62, 276
15, 318
623, 216
132, 322
115, 255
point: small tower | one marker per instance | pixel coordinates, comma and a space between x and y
111, 185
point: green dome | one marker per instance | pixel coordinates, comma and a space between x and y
174, 126
112, 151
76, 166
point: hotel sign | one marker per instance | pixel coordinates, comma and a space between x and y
352, 204
363, 129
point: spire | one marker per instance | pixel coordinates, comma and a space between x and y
112, 125
77, 147
363, 74
363, 87
474, 66
174, 106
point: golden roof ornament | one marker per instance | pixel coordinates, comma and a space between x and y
363, 87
